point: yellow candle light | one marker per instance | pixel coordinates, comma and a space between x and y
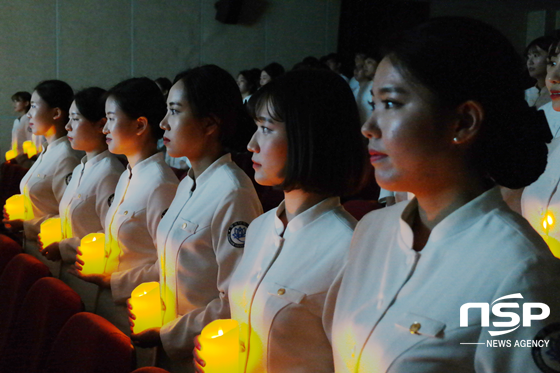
10, 154
146, 306
15, 207
219, 342
51, 231
92, 248
29, 148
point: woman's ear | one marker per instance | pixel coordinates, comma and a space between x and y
142, 125
211, 124
57, 113
470, 115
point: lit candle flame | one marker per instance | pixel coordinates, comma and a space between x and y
220, 333
548, 221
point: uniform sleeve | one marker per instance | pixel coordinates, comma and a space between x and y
62, 176
538, 286
124, 282
229, 225
104, 195
330, 303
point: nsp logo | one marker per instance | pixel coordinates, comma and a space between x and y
498, 310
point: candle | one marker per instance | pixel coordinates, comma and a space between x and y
10, 154
15, 207
29, 148
548, 224
92, 248
51, 231
146, 306
219, 342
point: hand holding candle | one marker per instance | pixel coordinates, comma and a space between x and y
15, 207
92, 253
219, 346
29, 148
146, 306
51, 231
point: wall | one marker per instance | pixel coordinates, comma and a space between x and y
100, 42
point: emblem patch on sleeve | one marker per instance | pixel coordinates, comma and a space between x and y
236, 234
68, 178
110, 199
548, 358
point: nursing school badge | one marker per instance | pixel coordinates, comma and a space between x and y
68, 178
236, 234
548, 358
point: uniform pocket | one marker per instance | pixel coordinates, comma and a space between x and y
422, 325
286, 293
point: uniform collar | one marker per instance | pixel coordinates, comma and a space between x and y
207, 174
158, 157
92, 162
49, 147
456, 222
305, 217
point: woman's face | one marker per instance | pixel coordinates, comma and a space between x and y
242, 84
408, 141
553, 78
20, 106
184, 133
536, 62
265, 78
41, 116
370, 66
82, 133
269, 146
121, 130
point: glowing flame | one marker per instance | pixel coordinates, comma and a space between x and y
94, 238
548, 221
220, 333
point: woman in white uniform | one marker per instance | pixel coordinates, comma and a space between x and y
449, 123
144, 192
540, 202
20, 130
89, 194
308, 143
45, 183
200, 240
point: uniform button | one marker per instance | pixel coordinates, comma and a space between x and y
79, 196
281, 291
184, 225
126, 212
38, 175
241, 347
415, 327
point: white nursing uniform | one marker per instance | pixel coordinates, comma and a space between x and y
45, 183
20, 134
142, 196
398, 310
82, 211
553, 119
200, 240
540, 201
277, 292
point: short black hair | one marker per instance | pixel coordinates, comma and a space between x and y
21, 96
326, 151
56, 93
274, 70
544, 42
91, 103
141, 97
212, 92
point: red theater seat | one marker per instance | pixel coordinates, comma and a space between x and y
16, 279
90, 344
8, 250
46, 308
150, 370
